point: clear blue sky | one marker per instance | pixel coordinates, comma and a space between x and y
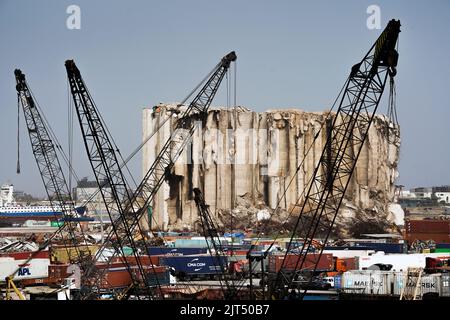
290, 54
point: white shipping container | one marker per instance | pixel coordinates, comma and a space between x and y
33, 269
349, 253
445, 285
399, 261
429, 283
368, 282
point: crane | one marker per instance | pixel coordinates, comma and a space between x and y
174, 146
211, 233
104, 160
52, 175
109, 176
345, 138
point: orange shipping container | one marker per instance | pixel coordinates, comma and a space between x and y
346, 264
325, 263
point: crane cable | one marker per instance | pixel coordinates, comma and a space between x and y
392, 114
70, 135
18, 134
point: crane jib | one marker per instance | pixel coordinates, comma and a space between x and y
321, 202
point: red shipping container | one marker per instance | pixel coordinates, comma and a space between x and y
436, 237
237, 252
325, 263
145, 260
427, 226
117, 275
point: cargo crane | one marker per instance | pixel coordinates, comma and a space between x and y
183, 131
111, 181
104, 161
50, 170
345, 138
174, 146
211, 233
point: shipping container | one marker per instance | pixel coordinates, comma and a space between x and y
64, 254
347, 264
385, 247
399, 262
144, 260
325, 263
429, 283
436, 237
156, 276
348, 253
192, 243
256, 265
442, 245
445, 285
36, 267
427, 226
441, 250
195, 265
58, 271
56, 223
157, 251
338, 282
236, 252
367, 282
118, 276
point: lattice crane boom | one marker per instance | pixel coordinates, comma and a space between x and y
131, 207
211, 233
44, 151
109, 176
345, 139
181, 136
176, 143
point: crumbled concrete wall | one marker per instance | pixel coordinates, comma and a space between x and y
267, 148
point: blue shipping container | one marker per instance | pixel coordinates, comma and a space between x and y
157, 251
195, 264
161, 278
386, 247
348, 248
442, 245
337, 282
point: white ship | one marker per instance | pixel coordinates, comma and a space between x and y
11, 211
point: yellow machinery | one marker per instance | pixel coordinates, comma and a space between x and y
11, 286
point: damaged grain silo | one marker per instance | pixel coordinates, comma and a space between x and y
246, 164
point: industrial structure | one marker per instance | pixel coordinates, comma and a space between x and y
232, 205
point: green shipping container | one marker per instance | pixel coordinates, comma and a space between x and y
128, 251
56, 223
442, 250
